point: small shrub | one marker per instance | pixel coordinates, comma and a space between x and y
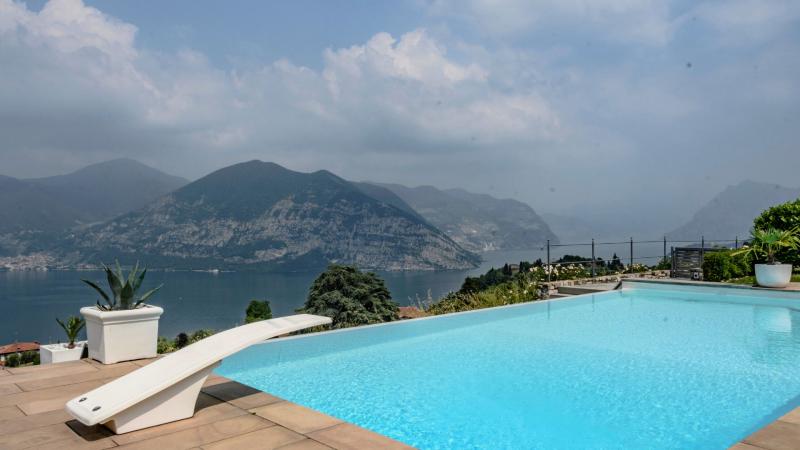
200, 334
724, 265
182, 340
165, 345
523, 288
29, 357
258, 310
12, 360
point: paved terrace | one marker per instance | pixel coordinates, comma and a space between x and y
228, 415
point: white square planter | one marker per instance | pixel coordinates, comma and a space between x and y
57, 353
125, 335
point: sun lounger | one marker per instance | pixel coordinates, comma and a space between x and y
166, 389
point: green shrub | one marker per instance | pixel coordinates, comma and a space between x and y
165, 345
181, 340
258, 310
725, 265
12, 360
200, 334
350, 297
523, 288
785, 216
29, 357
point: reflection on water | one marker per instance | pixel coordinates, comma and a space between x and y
778, 330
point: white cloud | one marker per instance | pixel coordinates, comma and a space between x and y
81, 78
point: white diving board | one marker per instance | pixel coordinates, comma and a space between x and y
166, 390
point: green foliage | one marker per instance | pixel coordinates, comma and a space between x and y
13, 360
724, 265
123, 289
72, 327
751, 280
258, 310
166, 345
664, 264
181, 340
765, 244
522, 288
200, 334
350, 297
785, 216
29, 357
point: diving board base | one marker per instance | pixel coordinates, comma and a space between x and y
173, 403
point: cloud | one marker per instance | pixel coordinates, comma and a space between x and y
80, 87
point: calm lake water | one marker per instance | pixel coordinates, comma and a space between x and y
30, 301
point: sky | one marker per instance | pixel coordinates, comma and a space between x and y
618, 111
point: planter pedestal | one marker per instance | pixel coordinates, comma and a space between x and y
58, 353
773, 275
116, 336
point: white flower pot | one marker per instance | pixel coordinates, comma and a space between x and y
125, 335
773, 275
58, 353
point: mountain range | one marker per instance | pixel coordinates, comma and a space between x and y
261, 215
731, 212
94, 193
477, 222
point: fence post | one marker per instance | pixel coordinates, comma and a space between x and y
702, 249
672, 268
548, 260
665, 247
594, 272
736, 243
631, 254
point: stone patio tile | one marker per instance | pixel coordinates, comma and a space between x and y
48, 367
4, 372
36, 437
347, 436
778, 435
240, 395
111, 371
295, 417
215, 379
792, 416
208, 410
43, 394
141, 362
10, 412
9, 388
305, 444
76, 443
203, 434
268, 438
34, 421
47, 371
743, 446
44, 400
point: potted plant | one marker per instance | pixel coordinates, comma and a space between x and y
70, 351
764, 244
124, 327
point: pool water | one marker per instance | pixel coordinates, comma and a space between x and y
633, 369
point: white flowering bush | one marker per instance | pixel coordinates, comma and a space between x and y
560, 272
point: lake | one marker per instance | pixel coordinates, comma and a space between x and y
30, 301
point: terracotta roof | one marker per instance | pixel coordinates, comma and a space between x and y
18, 347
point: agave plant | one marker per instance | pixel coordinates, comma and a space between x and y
73, 326
765, 243
123, 289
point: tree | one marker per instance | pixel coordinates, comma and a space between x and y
258, 310
783, 217
350, 297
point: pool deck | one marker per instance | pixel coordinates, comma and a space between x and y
228, 415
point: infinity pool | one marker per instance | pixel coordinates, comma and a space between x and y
638, 368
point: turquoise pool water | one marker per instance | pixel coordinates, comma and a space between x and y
632, 369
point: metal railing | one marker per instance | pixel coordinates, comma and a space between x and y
630, 245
